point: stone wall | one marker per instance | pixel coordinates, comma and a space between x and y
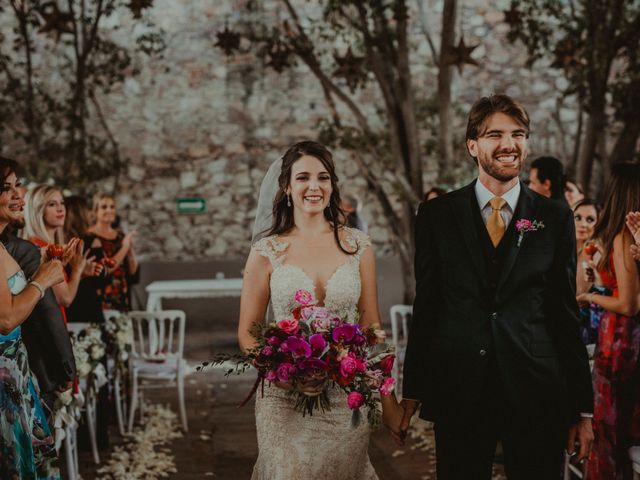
194, 123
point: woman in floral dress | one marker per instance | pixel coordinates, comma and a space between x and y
615, 370
27, 449
116, 246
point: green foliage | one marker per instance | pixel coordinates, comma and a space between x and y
57, 66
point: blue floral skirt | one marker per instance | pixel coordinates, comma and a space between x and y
27, 448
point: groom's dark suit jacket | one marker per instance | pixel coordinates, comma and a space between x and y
44, 332
509, 311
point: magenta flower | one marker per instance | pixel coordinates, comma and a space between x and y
344, 333
387, 386
274, 341
523, 224
355, 400
359, 339
267, 351
271, 376
312, 364
285, 371
289, 326
303, 297
348, 365
317, 342
298, 347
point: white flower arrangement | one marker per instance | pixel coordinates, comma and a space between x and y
119, 335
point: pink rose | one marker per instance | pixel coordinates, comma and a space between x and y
355, 400
274, 341
289, 326
303, 297
317, 313
387, 386
267, 351
523, 224
321, 325
348, 365
285, 371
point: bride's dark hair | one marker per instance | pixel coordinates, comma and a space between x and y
283, 214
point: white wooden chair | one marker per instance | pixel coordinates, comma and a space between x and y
118, 384
89, 409
399, 315
71, 452
634, 455
157, 356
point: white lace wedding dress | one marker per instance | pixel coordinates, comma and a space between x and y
325, 445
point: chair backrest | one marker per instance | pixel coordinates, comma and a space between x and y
157, 334
400, 315
75, 327
111, 314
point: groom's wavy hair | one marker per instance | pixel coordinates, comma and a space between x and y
487, 106
621, 196
283, 214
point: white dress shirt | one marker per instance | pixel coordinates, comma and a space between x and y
484, 196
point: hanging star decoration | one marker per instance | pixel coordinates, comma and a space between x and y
512, 16
279, 55
228, 41
136, 7
568, 55
350, 67
55, 21
461, 55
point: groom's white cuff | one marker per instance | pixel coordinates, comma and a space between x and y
586, 415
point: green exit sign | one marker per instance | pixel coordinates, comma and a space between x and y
191, 205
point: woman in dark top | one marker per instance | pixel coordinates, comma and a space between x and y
117, 247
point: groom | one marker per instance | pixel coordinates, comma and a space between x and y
494, 352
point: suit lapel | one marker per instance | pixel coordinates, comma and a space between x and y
526, 208
462, 211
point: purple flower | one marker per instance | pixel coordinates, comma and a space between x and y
285, 371
359, 339
355, 400
267, 351
344, 333
317, 342
271, 376
298, 347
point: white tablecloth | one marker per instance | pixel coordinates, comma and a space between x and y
206, 288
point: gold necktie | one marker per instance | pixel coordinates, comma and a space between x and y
495, 223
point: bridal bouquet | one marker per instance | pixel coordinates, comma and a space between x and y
316, 348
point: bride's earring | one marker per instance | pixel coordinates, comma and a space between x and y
288, 200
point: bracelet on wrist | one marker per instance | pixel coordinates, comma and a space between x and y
40, 288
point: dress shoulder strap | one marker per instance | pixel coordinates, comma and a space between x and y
357, 240
271, 248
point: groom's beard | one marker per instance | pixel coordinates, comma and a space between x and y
494, 168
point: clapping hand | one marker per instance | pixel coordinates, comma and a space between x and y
78, 258
49, 274
127, 241
633, 224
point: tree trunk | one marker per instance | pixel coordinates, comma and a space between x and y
573, 162
445, 75
625, 147
596, 123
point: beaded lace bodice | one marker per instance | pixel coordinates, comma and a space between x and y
342, 290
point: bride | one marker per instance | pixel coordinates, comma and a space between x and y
308, 247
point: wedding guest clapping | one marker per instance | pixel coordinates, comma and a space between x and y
617, 399
118, 248
633, 222
27, 448
45, 214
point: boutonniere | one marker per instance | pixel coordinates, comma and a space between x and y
525, 225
